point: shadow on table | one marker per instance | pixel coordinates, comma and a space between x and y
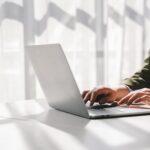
76, 127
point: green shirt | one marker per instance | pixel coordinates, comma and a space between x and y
140, 79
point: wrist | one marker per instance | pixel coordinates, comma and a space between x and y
121, 92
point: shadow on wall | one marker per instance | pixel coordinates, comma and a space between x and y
25, 13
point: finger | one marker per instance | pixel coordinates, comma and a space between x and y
93, 98
146, 90
106, 99
97, 93
148, 100
124, 99
87, 97
84, 93
138, 100
103, 100
135, 96
147, 93
145, 99
132, 98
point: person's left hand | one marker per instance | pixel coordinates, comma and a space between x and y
141, 95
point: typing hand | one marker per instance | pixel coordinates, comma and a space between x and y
142, 95
100, 95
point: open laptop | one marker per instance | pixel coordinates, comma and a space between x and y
60, 88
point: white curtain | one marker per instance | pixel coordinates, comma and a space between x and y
104, 41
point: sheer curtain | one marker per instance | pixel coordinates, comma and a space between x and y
104, 41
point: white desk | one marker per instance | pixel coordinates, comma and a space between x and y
36, 127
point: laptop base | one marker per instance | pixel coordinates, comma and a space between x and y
115, 112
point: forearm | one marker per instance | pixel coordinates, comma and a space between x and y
140, 79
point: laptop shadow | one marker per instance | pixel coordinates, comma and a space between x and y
90, 133
73, 125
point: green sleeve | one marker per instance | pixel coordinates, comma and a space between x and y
140, 79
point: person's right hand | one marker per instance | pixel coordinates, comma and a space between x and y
100, 95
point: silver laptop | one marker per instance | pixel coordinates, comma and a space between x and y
60, 88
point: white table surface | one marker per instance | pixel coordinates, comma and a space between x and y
32, 125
